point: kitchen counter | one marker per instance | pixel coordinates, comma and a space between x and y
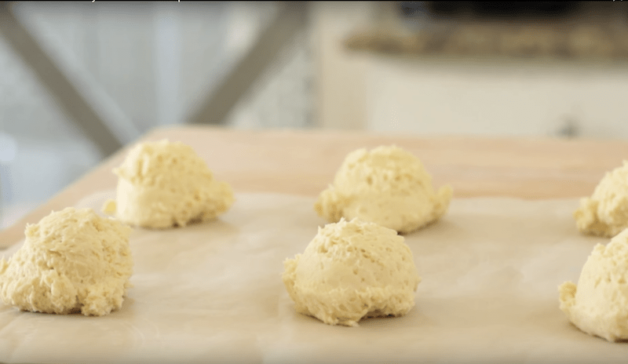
304, 163
596, 31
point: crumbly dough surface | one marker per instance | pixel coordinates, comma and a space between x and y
71, 261
351, 270
598, 305
165, 184
606, 212
387, 186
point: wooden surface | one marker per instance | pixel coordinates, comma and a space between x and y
304, 163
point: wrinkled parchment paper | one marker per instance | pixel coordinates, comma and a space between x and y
213, 293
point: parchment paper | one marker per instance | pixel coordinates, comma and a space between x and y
213, 293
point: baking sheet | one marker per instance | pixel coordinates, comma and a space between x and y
213, 293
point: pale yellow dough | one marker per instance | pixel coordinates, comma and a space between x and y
606, 212
352, 270
387, 186
598, 305
165, 184
71, 261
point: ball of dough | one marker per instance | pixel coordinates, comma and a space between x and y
352, 270
163, 184
606, 212
598, 305
387, 186
71, 261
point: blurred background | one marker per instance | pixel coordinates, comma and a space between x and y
80, 79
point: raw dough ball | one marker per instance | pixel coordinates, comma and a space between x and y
352, 270
387, 186
606, 212
163, 184
599, 304
71, 261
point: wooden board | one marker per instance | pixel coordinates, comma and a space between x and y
304, 163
